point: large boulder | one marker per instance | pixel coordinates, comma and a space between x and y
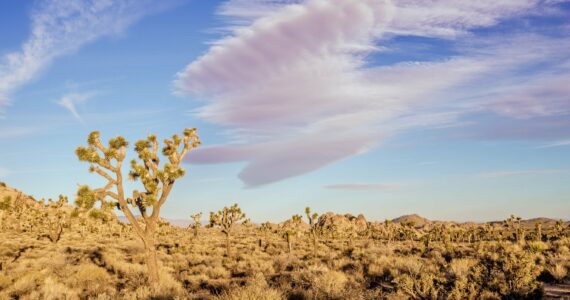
343, 223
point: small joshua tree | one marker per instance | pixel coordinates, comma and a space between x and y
264, 229
226, 219
514, 225
157, 182
314, 229
197, 223
4, 207
55, 217
559, 229
538, 231
290, 230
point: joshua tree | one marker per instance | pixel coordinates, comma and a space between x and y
157, 182
226, 219
265, 229
314, 229
559, 229
4, 206
290, 230
538, 231
55, 217
197, 223
20, 208
389, 230
514, 224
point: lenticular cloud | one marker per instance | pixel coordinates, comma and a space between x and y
292, 85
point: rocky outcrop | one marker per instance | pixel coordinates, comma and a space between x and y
346, 222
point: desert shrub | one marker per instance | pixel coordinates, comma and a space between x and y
422, 286
557, 271
330, 283
217, 272
508, 271
459, 268
25, 285
537, 246
257, 289
93, 280
168, 287
53, 289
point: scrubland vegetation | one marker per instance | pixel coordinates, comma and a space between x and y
56, 250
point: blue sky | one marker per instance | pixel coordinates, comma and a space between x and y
449, 109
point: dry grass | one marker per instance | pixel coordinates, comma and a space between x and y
108, 264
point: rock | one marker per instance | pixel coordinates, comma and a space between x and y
343, 223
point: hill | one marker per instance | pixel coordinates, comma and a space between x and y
414, 218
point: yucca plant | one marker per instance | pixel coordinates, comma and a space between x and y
157, 181
313, 229
290, 230
56, 218
197, 223
226, 219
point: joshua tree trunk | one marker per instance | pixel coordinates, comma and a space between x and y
150, 249
55, 233
290, 247
315, 244
228, 245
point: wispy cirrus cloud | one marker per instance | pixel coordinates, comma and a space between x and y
62, 27
498, 174
15, 132
555, 144
296, 87
72, 100
364, 186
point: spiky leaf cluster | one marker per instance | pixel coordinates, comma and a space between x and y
227, 217
85, 197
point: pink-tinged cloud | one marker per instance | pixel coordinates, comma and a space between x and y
432, 18
451, 18
295, 90
547, 95
274, 161
364, 186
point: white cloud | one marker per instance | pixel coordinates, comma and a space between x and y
364, 186
70, 102
15, 132
62, 27
433, 18
496, 174
555, 144
450, 18
299, 95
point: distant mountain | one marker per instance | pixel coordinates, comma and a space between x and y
416, 219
